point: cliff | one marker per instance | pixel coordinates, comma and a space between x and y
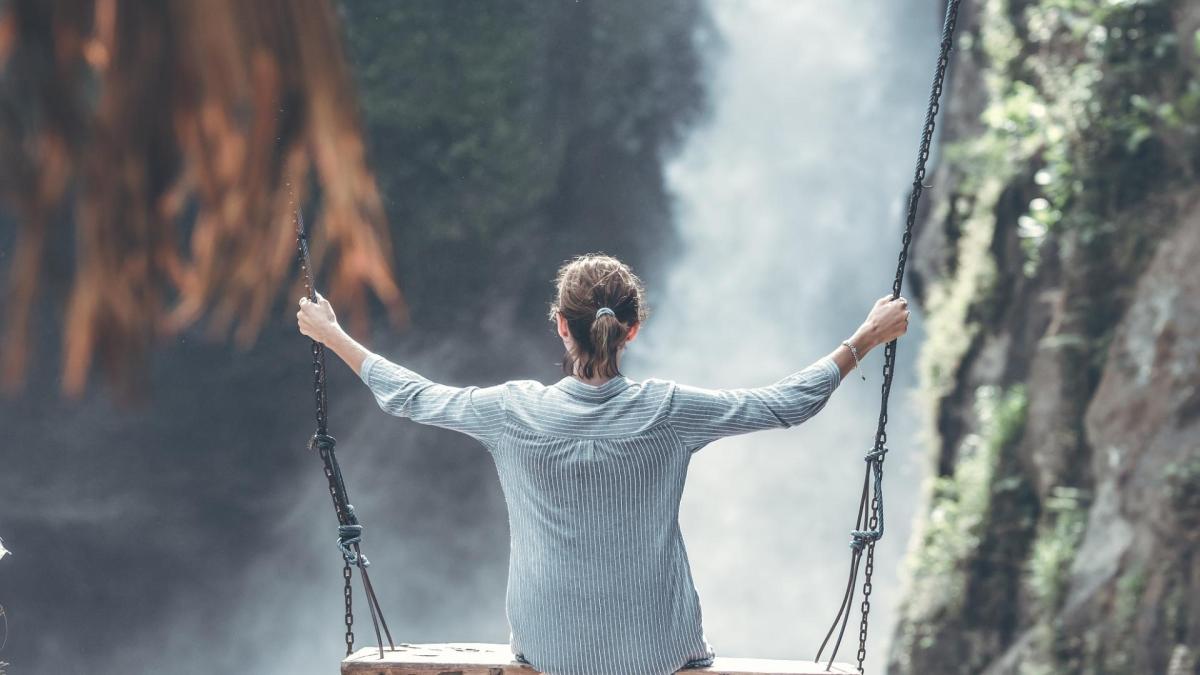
1057, 263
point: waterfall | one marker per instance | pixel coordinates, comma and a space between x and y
789, 203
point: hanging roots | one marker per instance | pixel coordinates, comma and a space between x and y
176, 138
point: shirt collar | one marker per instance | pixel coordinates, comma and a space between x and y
592, 392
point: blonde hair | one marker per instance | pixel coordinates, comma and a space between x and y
583, 285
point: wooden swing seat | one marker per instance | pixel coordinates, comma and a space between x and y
480, 658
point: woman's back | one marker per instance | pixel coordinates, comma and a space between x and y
593, 476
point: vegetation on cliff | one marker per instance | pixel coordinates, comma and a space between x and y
1078, 127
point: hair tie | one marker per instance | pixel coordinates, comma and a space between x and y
605, 310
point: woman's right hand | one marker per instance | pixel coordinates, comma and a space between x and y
886, 321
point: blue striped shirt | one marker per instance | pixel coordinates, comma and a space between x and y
598, 577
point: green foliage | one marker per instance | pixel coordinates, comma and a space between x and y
959, 503
1182, 480
1002, 417
949, 538
508, 134
1048, 567
451, 100
1130, 586
1058, 538
474, 109
1090, 93
949, 302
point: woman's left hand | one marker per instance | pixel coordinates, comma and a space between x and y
316, 319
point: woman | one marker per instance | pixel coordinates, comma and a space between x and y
592, 468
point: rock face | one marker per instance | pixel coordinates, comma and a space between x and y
1059, 264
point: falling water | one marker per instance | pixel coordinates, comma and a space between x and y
790, 201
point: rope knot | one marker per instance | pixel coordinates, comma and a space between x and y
860, 538
349, 535
321, 442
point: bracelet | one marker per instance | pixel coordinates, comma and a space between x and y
854, 353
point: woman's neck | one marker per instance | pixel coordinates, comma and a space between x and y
595, 381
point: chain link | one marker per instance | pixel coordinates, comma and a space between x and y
348, 592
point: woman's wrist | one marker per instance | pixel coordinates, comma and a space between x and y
849, 353
856, 363
863, 341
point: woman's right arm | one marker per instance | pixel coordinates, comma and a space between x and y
700, 416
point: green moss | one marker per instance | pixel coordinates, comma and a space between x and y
1130, 586
1175, 610
959, 503
1129, 589
440, 98
948, 538
1088, 93
988, 164
1040, 661
1182, 480
1054, 548
948, 302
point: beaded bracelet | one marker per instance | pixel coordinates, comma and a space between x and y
854, 353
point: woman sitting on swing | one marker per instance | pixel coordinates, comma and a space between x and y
592, 468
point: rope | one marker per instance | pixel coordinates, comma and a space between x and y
866, 530
349, 529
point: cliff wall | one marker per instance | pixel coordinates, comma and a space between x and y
1058, 262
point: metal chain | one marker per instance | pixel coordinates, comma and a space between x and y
865, 538
348, 591
318, 349
349, 529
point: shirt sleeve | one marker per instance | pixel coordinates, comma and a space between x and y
476, 411
701, 415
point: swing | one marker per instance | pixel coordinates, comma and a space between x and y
497, 659
476, 658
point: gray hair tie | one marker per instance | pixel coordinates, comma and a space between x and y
605, 310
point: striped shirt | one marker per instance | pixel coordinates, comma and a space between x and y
598, 578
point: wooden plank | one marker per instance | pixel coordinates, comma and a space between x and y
480, 658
